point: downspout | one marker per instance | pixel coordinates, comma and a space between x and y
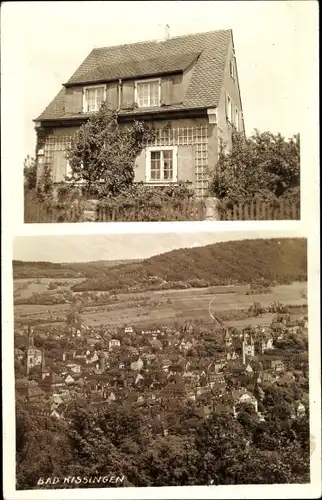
119, 95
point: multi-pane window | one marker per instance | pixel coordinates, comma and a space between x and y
161, 164
93, 98
148, 93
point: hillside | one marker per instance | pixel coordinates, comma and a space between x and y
282, 260
24, 269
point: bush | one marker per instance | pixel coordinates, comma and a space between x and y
264, 167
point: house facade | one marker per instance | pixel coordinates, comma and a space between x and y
187, 86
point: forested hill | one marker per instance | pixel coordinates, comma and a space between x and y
24, 269
282, 260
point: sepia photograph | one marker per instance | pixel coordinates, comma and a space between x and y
191, 114
161, 360
176, 357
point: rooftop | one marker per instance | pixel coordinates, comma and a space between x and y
207, 50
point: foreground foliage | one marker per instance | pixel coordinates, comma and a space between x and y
125, 441
263, 166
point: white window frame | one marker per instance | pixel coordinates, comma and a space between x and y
152, 80
90, 87
174, 179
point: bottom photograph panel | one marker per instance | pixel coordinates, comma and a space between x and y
161, 360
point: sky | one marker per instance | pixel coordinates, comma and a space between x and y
44, 43
84, 248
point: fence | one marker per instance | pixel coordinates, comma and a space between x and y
36, 212
276, 210
188, 210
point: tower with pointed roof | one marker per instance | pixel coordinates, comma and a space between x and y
248, 347
33, 355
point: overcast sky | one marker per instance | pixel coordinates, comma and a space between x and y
83, 248
45, 42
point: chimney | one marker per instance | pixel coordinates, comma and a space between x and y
167, 31
243, 349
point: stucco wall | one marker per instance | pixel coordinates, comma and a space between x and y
230, 86
184, 133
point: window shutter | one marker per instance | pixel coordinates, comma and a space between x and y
59, 166
127, 95
73, 100
226, 105
112, 95
166, 91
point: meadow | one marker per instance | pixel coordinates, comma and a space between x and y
162, 306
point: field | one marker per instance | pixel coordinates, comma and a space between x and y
160, 306
24, 288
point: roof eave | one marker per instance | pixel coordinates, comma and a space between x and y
150, 115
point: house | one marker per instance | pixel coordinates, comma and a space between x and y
137, 365
53, 382
277, 365
74, 367
241, 396
188, 83
268, 377
113, 343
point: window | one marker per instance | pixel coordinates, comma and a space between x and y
147, 93
161, 164
237, 118
230, 110
232, 69
93, 98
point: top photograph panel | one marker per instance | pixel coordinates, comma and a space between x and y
156, 131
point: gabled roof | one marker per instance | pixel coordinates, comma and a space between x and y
209, 51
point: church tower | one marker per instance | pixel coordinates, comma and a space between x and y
31, 343
248, 348
34, 356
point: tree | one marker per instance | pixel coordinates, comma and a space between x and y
30, 172
102, 150
262, 166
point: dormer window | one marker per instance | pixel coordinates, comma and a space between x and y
148, 93
93, 98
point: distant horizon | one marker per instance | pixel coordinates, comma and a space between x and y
124, 247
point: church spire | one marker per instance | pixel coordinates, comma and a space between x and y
31, 343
